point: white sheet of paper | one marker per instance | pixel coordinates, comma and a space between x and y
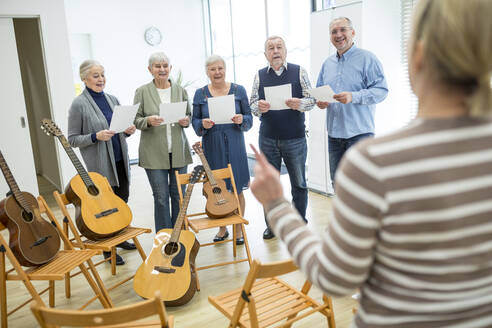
323, 93
278, 95
173, 112
222, 109
123, 117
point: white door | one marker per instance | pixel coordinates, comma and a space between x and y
15, 141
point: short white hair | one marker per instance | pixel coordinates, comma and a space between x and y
274, 37
213, 59
86, 66
158, 57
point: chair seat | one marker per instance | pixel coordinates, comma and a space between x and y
275, 302
207, 223
56, 269
124, 235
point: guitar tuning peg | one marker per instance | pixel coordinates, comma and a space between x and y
47, 133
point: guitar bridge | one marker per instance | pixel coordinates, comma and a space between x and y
40, 241
162, 269
106, 213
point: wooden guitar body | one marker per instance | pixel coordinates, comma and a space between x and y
173, 275
33, 240
99, 212
220, 202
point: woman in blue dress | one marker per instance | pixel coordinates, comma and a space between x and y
224, 143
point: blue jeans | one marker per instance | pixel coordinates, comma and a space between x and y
293, 152
164, 187
337, 148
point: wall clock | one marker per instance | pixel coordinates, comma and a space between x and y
153, 36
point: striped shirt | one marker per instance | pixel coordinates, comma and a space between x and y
412, 228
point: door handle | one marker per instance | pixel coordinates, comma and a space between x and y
23, 122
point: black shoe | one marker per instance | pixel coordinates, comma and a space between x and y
224, 237
239, 240
268, 234
126, 245
119, 259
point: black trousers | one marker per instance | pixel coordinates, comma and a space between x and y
123, 190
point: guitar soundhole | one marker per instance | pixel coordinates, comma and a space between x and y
27, 216
93, 190
216, 190
171, 248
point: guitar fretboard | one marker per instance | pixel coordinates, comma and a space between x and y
76, 162
207, 169
181, 215
13, 185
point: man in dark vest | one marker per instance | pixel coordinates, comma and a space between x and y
282, 132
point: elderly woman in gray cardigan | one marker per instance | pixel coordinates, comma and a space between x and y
103, 150
164, 148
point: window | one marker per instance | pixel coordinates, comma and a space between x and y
238, 30
406, 26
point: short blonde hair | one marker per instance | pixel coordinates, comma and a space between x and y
457, 39
86, 66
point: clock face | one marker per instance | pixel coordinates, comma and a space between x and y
153, 36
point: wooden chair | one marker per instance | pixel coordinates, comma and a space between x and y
64, 262
124, 316
269, 300
200, 221
106, 245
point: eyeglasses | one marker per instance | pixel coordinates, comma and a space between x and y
341, 30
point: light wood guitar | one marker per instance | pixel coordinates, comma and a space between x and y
170, 267
220, 202
33, 240
99, 212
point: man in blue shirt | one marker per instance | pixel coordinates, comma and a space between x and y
357, 78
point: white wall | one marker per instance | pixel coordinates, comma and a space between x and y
381, 26
56, 50
116, 29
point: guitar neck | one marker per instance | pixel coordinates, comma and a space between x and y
76, 162
207, 169
14, 188
181, 215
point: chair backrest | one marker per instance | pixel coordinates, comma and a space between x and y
50, 317
219, 174
259, 271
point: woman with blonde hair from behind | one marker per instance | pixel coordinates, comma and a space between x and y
413, 212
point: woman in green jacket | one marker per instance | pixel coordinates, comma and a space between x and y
164, 148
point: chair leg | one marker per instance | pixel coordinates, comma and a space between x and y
99, 283
3, 290
52, 293
68, 293
139, 248
113, 260
331, 318
95, 288
234, 234
246, 244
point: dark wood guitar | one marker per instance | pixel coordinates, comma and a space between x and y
220, 202
33, 240
170, 267
99, 212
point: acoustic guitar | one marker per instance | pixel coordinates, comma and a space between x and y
99, 212
220, 202
170, 267
33, 240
